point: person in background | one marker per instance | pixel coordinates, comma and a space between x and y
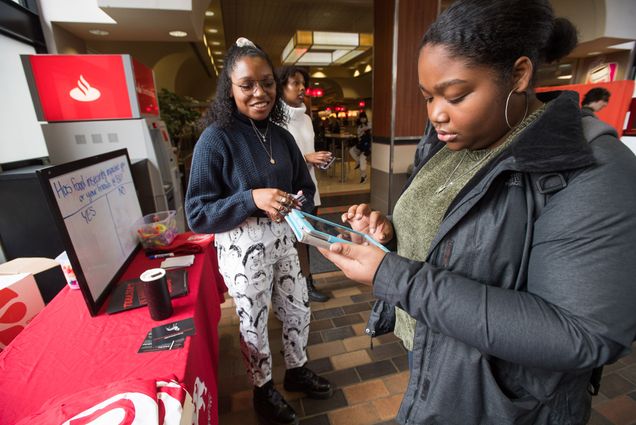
595, 100
245, 170
515, 266
362, 149
294, 81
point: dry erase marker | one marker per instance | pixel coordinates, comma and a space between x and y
167, 254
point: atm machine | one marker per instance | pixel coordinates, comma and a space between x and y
92, 104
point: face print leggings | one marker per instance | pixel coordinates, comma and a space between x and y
259, 264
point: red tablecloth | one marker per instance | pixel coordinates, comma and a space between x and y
64, 350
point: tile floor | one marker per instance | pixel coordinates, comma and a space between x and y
369, 383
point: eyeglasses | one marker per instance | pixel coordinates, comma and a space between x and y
249, 86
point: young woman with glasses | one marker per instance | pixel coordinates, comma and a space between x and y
245, 172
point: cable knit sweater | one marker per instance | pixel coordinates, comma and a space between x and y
228, 163
302, 129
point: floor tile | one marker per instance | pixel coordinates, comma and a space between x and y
613, 385
388, 407
365, 391
342, 378
620, 410
352, 359
346, 292
338, 333
319, 325
356, 343
328, 313
347, 320
316, 420
362, 414
362, 297
320, 366
312, 407
314, 338
355, 308
325, 349
386, 351
598, 419
396, 384
376, 369
401, 362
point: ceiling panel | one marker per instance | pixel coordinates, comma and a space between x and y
271, 23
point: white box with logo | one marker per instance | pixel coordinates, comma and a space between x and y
20, 302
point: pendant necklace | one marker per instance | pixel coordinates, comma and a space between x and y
262, 137
450, 180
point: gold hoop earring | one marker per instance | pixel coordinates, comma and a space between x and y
506, 110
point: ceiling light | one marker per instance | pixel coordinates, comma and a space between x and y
218, 52
178, 33
216, 43
623, 46
356, 73
320, 48
367, 68
212, 30
564, 77
209, 13
99, 32
319, 74
594, 53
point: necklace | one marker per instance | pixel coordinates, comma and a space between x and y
262, 137
450, 180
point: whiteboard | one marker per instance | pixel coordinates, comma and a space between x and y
95, 206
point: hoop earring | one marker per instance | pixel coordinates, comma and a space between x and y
506, 110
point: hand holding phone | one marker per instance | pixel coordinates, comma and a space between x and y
319, 232
327, 164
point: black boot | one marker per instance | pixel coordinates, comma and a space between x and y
271, 407
304, 380
314, 294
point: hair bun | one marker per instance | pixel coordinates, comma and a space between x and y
244, 42
562, 41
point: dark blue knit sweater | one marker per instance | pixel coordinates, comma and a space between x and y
228, 163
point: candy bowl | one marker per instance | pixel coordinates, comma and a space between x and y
157, 230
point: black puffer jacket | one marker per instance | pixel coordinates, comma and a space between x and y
529, 284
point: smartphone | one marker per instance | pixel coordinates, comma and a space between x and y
319, 232
328, 164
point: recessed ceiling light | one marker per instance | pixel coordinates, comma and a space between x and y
564, 77
209, 13
217, 52
178, 33
316, 83
212, 30
594, 53
220, 60
216, 43
99, 32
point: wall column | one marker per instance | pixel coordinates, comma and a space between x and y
399, 110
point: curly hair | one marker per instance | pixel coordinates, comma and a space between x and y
221, 108
495, 33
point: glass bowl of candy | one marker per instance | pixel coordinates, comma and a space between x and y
157, 230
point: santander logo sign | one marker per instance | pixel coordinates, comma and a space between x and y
84, 92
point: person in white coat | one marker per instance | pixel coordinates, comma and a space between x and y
294, 81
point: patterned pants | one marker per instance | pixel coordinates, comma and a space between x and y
259, 264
